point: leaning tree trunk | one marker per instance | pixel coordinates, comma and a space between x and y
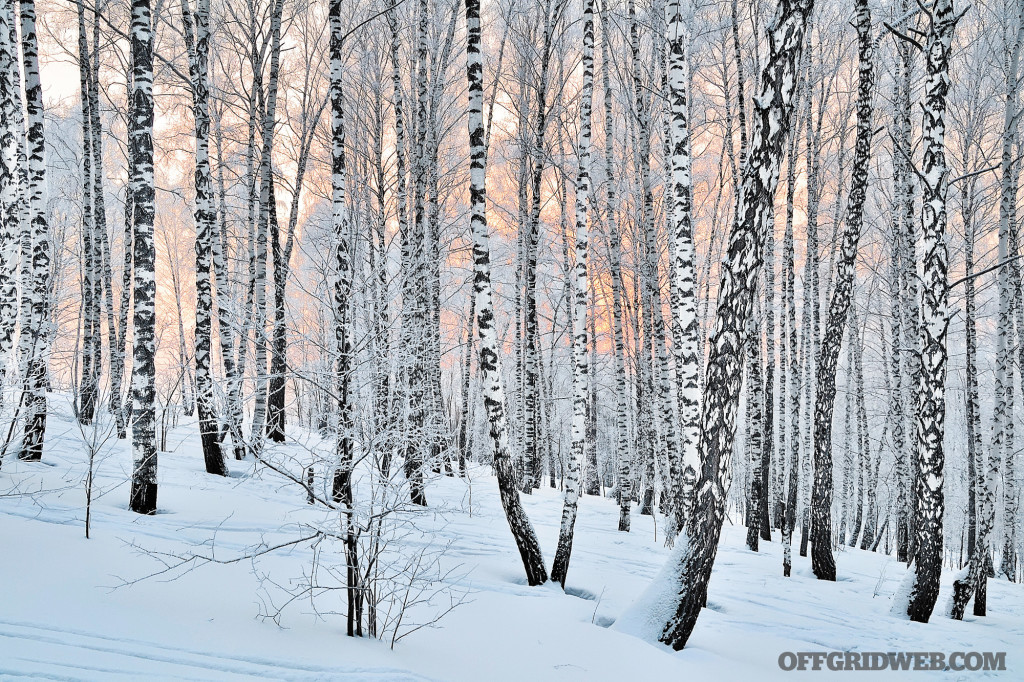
822, 561
197, 41
931, 399
581, 368
35, 281
143, 491
489, 360
690, 565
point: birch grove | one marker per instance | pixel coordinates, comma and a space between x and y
705, 265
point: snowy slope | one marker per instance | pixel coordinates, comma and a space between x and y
66, 611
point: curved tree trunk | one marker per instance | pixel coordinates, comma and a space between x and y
822, 561
696, 549
489, 360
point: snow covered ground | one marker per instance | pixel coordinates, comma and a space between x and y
72, 608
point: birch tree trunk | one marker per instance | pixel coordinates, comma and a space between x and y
581, 367
225, 314
983, 466
259, 412
11, 132
1009, 170
755, 432
490, 360
531, 457
694, 556
91, 333
35, 280
144, 482
197, 41
342, 484
822, 561
625, 471
105, 288
117, 355
931, 406
972, 582
685, 342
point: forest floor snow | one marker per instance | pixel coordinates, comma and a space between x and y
72, 608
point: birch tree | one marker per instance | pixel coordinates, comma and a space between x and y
489, 360
11, 133
931, 405
144, 481
581, 368
691, 562
197, 42
822, 560
35, 309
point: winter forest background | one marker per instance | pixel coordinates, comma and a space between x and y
316, 301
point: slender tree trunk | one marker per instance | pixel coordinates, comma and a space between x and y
36, 279
105, 288
614, 239
259, 413
755, 432
490, 360
822, 561
225, 308
11, 132
144, 484
581, 368
197, 41
91, 333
